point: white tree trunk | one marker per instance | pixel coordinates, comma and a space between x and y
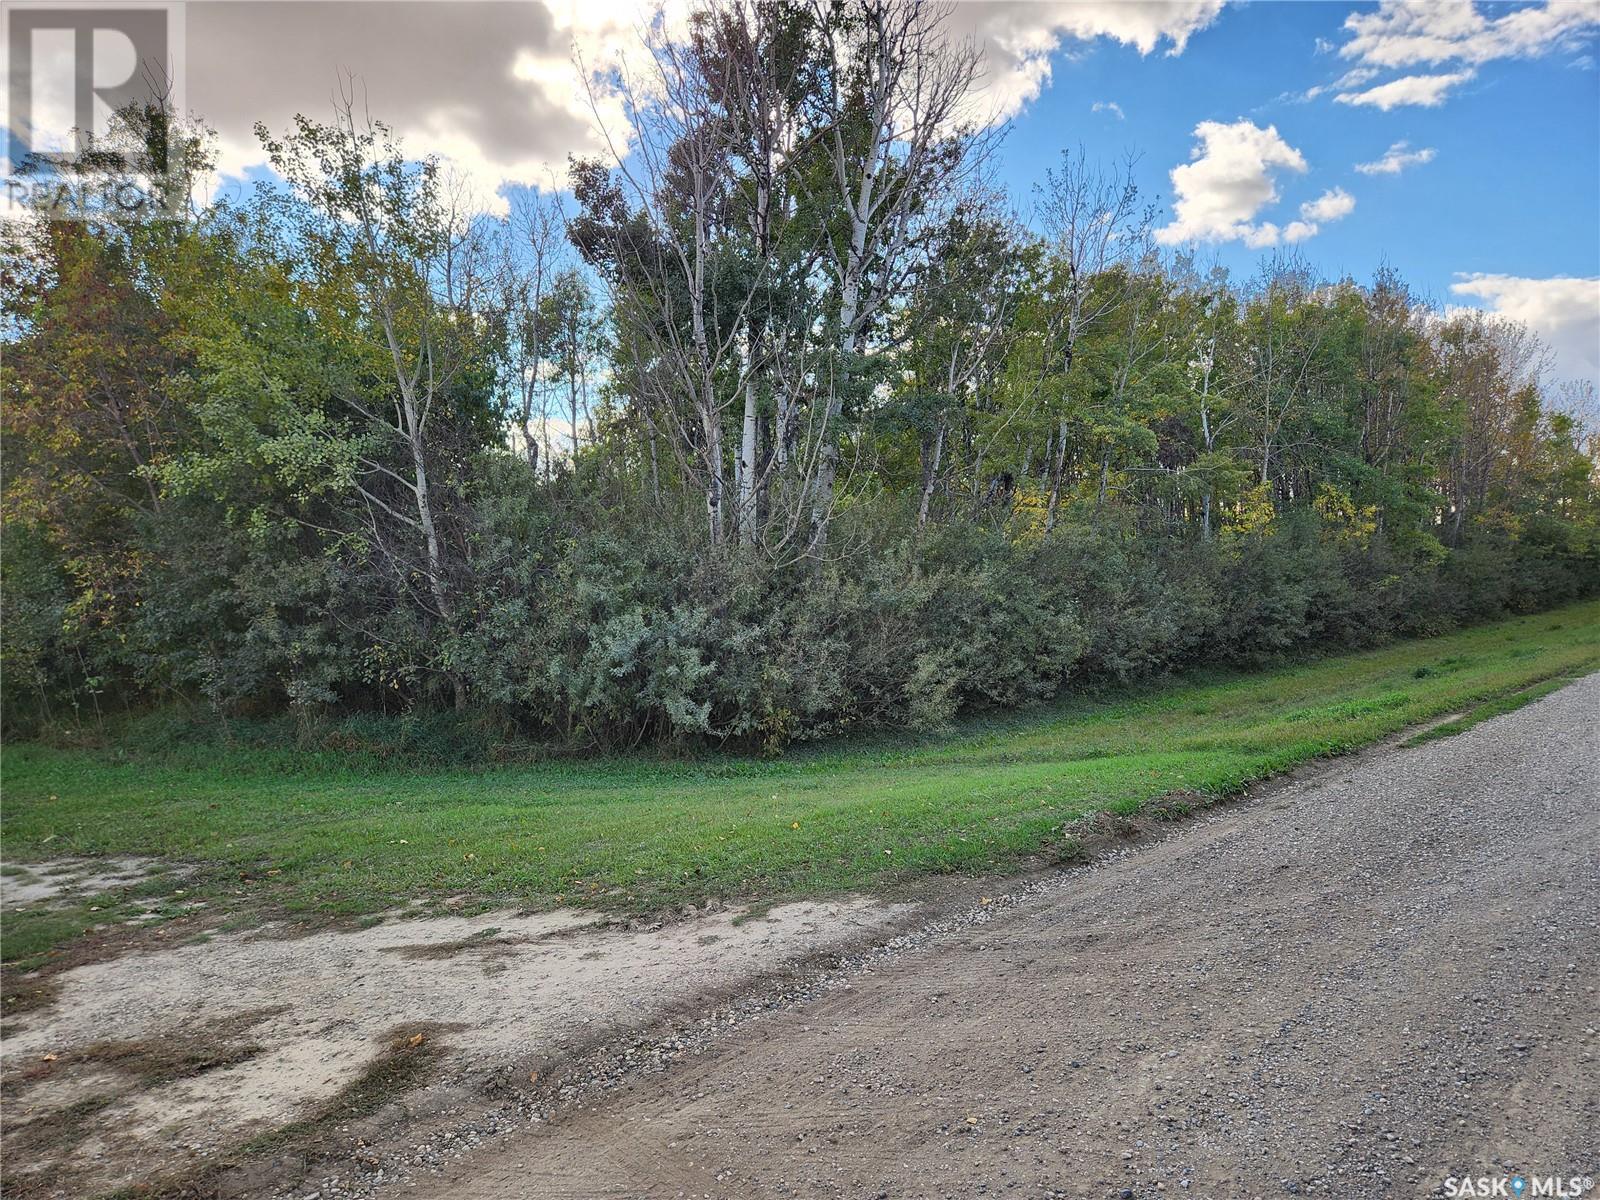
748, 449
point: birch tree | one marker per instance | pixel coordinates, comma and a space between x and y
654, 224
1092, 219
386, 237
534, 258
1286, 326
890, 98
760, 65
1491, 370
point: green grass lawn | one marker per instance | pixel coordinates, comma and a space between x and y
266, 831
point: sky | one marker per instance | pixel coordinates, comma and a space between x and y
1483, 192
1457, 142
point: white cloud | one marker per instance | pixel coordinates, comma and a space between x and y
1227, 182
1428, 91
1110, 106
1259, 237
1018, 37
1333, 205
1353, 78
1564, 312
496, 87
1402, 34
492, 87
1409, 33
1396, 159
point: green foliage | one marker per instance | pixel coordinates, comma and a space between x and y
281, 461
345, 823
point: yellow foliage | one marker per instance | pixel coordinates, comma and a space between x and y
1253, 511
1029, 504
1343, 517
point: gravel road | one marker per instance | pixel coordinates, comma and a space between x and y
1358, 985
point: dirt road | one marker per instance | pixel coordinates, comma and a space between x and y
1359, 986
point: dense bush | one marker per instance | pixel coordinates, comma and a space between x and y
617, 641
343, 465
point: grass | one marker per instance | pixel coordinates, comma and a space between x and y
1494, 707
266, 832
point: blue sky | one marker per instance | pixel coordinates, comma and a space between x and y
1498, 107
1512, 189
1494, 124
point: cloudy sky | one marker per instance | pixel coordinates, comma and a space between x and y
1458, 142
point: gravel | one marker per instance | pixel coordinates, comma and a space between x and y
1362, 982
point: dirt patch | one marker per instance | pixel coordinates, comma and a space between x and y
26, 996
63, 913
30, 985
490, 942
67, 1100
181, 1052
48, 1135
170, 1063
69, 880
404, 1056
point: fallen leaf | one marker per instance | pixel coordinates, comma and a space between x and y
49, 1057
533, 1077
414, 1041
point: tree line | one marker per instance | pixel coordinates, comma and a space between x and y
787, 424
